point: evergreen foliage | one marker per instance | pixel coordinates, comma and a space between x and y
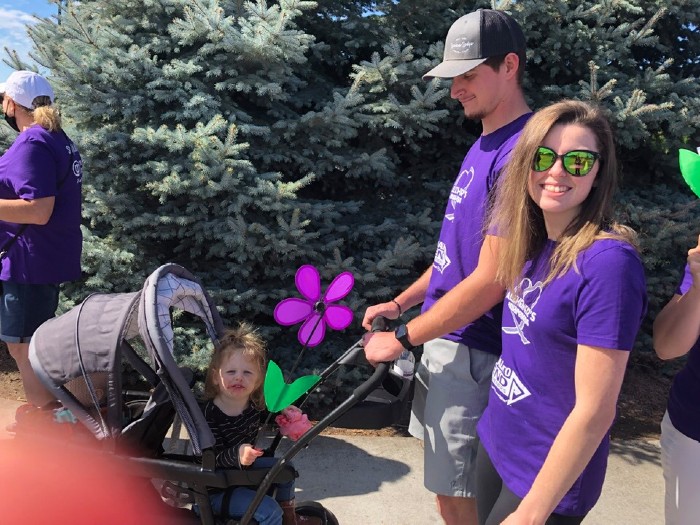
242, 139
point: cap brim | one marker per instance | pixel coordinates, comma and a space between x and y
2, 88
453, 68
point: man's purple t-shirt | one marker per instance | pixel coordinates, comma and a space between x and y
684, 399
462, 233
41, 164
532, 387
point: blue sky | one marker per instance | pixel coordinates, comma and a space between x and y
14, 17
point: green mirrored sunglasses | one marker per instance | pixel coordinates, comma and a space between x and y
577, 163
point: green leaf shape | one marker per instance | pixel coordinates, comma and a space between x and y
690, 169
278, 394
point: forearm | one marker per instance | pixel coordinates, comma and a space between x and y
598, 378
465, 303
229, 458
677, 327
20, 211
571, 451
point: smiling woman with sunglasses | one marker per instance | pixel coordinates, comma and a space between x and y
575, 299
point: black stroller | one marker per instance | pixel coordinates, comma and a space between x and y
83, 356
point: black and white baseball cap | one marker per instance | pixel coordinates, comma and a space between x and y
475, 37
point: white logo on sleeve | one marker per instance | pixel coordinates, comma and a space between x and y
522, 307
507, 385
459, 191
441, 261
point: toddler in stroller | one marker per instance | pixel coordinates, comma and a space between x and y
85, 355
235, 410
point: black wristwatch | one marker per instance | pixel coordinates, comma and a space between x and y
401, 333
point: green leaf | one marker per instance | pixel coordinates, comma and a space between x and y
690, 169
278, 394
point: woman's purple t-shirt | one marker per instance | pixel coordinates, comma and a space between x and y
684, 398
532, 387
41, 164
462, 233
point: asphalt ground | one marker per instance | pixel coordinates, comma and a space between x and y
372, 480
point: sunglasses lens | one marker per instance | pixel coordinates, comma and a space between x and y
544, 159
579, 163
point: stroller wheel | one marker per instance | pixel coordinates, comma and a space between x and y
314, 508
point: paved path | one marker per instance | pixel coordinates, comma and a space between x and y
378, 480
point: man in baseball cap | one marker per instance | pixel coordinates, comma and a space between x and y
460, 323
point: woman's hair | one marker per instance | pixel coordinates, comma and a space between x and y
518, 220
245, 339
45, 113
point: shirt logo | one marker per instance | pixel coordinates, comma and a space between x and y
460, 190
441, 261
507, 385
522, 307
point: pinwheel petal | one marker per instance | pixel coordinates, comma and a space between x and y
292, 311
312, 331
308, 282
338, 317
339, 288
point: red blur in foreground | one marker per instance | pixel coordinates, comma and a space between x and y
46, 481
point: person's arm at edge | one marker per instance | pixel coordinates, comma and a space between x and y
677, 327
598, 378
20, 211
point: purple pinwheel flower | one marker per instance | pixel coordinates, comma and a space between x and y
315, 310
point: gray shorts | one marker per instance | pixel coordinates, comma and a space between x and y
451, 392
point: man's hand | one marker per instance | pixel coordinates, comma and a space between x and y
247, 454
381, 347
390, 310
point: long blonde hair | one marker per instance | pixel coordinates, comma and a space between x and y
245, 339
519, 221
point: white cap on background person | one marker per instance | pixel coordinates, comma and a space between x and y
25, 86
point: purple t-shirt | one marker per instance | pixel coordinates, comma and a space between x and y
462, 232
532, 385
43, 164
684, 399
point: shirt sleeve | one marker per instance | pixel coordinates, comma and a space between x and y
33, 171
612, 300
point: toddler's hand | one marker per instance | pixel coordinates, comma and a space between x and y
293, 422
247, 454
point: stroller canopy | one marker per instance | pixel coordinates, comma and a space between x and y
78, 355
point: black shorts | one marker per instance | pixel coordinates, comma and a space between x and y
24, 307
